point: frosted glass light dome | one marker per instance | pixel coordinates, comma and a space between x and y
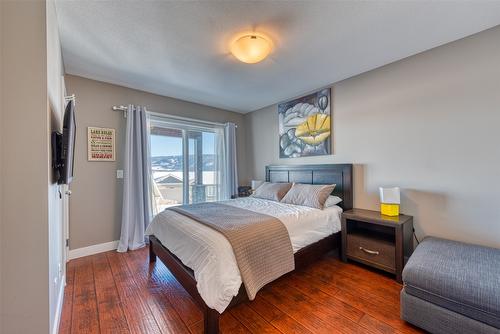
251, 48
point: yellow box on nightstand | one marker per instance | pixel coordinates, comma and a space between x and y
389, 209
389, 201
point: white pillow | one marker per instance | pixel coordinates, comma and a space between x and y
332, 201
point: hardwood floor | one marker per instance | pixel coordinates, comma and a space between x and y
122, 293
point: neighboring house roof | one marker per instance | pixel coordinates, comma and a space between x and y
168, 179
176, 177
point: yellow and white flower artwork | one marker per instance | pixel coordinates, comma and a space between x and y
305, 126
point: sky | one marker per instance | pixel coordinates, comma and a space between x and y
163, 145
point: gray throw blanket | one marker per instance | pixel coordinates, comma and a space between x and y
261, 243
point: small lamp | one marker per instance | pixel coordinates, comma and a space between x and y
256, 184
389, 201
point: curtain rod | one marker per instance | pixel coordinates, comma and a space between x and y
119, 108
124, 109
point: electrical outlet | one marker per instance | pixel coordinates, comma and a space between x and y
119, 173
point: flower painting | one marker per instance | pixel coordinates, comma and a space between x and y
305, 126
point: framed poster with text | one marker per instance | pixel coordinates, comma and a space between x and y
101, 144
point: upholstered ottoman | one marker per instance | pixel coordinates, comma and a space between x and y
452, 287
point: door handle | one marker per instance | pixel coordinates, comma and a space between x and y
68, 192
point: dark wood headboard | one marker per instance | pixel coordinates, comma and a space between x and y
339, 174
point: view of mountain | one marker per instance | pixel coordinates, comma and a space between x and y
174, 162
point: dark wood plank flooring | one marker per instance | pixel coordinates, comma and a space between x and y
122, 293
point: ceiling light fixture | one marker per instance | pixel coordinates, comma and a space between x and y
251, 48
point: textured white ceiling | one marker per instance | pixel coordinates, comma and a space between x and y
180, 49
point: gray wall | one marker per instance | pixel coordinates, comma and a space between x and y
429, 124
1, 162
25, 169
55, 99
31, 245
95, 205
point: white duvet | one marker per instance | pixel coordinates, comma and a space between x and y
209, 254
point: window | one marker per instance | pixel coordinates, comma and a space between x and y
186, 161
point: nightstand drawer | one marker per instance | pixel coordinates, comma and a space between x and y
376, 251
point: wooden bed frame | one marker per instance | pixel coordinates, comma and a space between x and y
339, 174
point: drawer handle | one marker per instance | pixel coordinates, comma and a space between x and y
369, 251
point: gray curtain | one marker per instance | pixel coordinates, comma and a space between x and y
231, 177
136, 211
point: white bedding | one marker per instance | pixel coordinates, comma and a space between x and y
210, 255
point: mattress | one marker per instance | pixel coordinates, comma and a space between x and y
209, 254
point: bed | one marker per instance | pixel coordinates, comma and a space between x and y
191, 246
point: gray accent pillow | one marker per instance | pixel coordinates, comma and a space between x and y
311, 195
272, 191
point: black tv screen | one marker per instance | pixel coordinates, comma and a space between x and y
68, 144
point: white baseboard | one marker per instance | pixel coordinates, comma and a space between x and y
60, 300
91, 250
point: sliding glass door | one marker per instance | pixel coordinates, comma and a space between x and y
166, 167
186, 160
202, 163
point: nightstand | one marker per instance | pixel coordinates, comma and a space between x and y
244, 191
379, 241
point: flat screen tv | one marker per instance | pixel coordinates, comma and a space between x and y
63, 147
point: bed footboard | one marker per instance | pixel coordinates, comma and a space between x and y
152, 254
211, 321
185, 277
